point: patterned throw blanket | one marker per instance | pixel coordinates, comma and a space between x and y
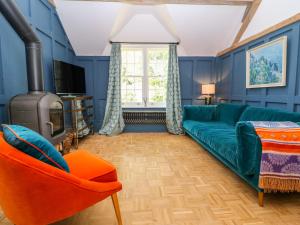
280, 162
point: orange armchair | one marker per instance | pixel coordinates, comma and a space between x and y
35, 193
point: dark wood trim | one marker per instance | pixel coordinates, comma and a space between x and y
191, 2
269, 30
250, 12
52, 2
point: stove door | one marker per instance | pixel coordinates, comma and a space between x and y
56, 113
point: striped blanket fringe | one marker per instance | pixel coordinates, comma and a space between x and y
271, 184
280, 161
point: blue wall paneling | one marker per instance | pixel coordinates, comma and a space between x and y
228, 71
231, 75
44, 20
193, 71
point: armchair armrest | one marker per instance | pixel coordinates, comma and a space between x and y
249, 148
199, 113
58, 192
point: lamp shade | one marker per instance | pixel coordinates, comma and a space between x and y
208, 89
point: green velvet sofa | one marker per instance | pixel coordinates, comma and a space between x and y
225, 131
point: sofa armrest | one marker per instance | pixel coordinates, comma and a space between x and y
249, 149
199, 113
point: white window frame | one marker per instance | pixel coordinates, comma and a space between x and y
145, 79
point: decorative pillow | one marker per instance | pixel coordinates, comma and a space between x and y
33, 144
229, 112
266, 114
199, 113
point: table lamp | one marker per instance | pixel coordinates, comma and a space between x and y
208, 90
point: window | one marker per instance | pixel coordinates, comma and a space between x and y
144, 76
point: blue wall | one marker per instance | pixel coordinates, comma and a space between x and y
229, 71
193, 71
44, 20
231, 75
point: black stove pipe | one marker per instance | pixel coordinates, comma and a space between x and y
9, 9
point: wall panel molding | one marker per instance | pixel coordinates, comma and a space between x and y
268, 31
44, 20
235, 71
1, 70
193, 72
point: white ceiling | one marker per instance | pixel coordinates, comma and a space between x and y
271, 12
203, 30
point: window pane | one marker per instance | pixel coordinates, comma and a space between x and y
136, 85
132, 61
131, 89
157, 75
157, 90
132, 77
158, 61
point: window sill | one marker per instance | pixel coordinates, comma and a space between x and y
144, 108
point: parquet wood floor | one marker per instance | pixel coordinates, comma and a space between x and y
171, 180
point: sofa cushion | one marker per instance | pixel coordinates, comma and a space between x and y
199, 113
218, 136
229, 113
33, 144
264, 114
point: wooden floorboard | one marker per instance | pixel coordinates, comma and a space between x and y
171, 180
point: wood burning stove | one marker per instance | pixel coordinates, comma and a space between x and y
38, 110
56, 116
42, 112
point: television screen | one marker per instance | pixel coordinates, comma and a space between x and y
69, 79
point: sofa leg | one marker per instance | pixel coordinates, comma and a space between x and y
261, 198
115, 201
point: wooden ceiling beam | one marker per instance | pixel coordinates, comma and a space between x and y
269, 30
246, 11
188, 2
51, 2
249, 14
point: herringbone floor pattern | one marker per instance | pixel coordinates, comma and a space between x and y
171, 180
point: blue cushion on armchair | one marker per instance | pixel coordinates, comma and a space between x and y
33, 144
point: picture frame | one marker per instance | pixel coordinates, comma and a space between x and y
266, 64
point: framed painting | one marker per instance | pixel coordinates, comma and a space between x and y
266, 64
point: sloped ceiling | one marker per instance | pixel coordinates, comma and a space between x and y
88, 24
203, 30
271, 12
147, 25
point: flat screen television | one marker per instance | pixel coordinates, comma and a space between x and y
69, 79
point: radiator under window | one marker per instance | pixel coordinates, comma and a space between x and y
144, 117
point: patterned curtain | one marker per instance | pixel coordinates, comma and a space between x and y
113, 122
173, 109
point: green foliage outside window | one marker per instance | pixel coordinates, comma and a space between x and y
139, 80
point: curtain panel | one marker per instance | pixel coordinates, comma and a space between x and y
113, 122
173, 104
